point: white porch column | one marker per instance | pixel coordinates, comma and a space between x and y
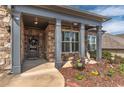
16, 65
99, 43
58, 44
82, 40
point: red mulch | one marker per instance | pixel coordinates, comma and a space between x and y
93, 81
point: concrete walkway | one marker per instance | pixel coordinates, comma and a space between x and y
36, 73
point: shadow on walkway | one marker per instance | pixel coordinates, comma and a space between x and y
32, 63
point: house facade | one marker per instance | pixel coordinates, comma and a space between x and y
51, 32
113, 44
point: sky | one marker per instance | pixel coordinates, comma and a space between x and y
113, 26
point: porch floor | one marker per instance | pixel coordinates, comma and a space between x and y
36, 73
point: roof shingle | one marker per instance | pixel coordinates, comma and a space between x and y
112, 42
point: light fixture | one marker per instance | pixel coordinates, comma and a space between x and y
36, 21
17, 18
75, 24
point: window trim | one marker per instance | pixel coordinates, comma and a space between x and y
70, 42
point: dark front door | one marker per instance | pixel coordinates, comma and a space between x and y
33, 47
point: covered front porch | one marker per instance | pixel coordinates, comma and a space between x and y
53, 41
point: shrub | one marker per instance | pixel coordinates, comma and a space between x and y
79, 63
106, 55
110, 72
121, 68
122, 60
80, 76
95, 73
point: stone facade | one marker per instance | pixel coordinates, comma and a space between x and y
50, 42
46, 41
5, 47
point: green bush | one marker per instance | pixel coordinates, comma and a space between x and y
79, 76
106, 55
121, 68
110, 72
78, 63
122, 61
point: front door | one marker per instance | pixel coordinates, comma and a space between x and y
33, 47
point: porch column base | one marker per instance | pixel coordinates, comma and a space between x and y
58, 65
16, 69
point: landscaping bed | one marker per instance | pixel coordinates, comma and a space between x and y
102, 74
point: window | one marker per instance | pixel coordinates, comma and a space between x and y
70, 41
91, 42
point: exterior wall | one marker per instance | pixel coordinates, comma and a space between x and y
50, 43
116, 52
5, 46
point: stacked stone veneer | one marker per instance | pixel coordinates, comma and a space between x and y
4, 38
50, 43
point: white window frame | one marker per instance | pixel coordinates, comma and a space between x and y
90, 41
70, 42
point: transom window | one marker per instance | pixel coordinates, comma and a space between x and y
91, 42
70, 41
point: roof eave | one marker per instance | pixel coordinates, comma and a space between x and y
80, 13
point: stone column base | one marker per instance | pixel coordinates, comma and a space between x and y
58, 65
16, 69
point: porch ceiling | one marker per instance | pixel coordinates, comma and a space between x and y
30, 19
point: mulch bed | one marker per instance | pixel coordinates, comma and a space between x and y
101, 80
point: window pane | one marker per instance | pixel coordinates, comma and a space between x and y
73, 47
92, 47
63, 50
73, 36
67, 47
76, 37
66, 36
62, 36
76, 46
70, 44
93, 40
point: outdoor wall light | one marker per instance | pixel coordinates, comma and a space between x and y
36, 21
17, 18
75, 24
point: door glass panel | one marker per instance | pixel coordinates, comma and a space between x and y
76, 37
